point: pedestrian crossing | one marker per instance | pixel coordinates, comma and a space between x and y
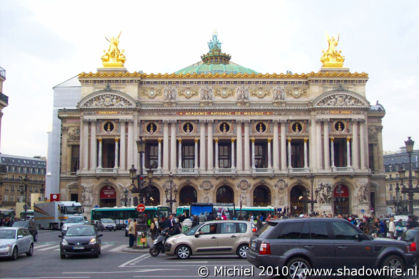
106, 247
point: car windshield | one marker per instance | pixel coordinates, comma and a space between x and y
7, 234
75, 220
192, 230
80, 231
23, 224
107, 221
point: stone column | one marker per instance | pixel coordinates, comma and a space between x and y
135, 154
348, 152
210, 147
202, 152
232, 154
173, 146
165, 146
116, 153
179, 153
216, 154
123, 149
363, 149
305, 154
355, 145
93, 146
239, 161
196, 153
276, 145
283, 145
326, 145
130, 158
289, 153
312, 154
319, 144
85, 145
81, 149
253, 153
99, 163
332, 152
246, 146
159, 154
269, 154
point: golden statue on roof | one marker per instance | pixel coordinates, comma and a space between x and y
113, 57
332, 58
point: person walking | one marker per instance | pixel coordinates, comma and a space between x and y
391, 228
131, 232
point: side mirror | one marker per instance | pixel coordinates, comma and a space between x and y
197, 234
19, 236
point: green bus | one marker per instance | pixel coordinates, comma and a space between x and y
122, 214
244, 212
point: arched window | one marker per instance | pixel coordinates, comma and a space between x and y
298, 198
341, 200
187, 195
107, 196
261, 196
225, 195
152, 195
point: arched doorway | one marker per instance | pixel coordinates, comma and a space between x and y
261, 196
107, 197
298, 198
225, 195
341, 200
187, 195
152, 195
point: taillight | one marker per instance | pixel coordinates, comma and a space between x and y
265, 249
254, 229
412, 247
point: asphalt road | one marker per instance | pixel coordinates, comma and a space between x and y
116, 262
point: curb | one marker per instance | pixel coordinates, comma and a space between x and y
135, 250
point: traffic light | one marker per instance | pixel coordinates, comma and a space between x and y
140, 180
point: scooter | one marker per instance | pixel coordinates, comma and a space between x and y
158, 244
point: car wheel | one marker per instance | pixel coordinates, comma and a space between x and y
183, 252
15, 254
30, 252
393, 262
242, 251
297, 268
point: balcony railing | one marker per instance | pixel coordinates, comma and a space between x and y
261, 170
299, 170
225, 170
187, 171
343, 169
107, 170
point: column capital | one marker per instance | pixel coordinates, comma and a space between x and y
196, 140
179, 140
305, 140
166, 121
289, 139
233, 139
283, 121
216, 140
99, 139
173, 121
210, 121
116, 139
252, 139
159, 140
332, 138
275, 121
362, 121
269, 140
202, 121
348, 138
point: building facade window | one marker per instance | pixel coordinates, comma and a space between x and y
75, 154
152, 155
188, 155
261, 155
224, 155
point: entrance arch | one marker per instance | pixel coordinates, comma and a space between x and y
261, 196
152, 195
298, 197
341, 200
225, 194
187, 195
107, 196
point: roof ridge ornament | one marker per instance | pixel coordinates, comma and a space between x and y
113, 57
214, 55
332, 58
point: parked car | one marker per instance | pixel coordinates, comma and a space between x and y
73, 221
212, 237
412, 238
28, 224
108, 224
80, 240
15, 241
301, 244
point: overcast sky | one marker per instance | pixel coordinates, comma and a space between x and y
43, 43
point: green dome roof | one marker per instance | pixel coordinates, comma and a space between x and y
215, 61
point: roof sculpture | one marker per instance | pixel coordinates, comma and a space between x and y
332, 58
113, 57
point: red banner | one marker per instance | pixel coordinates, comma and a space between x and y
54, 197
341, 191
108, 192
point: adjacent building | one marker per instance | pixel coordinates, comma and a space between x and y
4, 99
216, 131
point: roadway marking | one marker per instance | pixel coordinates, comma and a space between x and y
119, 272
49, 248
43, 277
106, 246
40, 246
118, 248
135, 260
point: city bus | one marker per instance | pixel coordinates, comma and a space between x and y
244, 212
122, 214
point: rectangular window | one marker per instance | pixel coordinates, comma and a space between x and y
260, 155
188, 155
152, 155
318, 230
291, 230
75, 197
297, 153
371, 156
224, 155
75, 154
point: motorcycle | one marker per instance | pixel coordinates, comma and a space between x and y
158, 244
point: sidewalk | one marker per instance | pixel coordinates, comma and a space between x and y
139, 249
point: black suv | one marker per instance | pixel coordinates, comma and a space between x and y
323, 243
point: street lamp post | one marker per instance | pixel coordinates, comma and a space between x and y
410, 191
24, 192
126, 196
141, 150
169, 191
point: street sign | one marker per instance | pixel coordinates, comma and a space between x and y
140, 207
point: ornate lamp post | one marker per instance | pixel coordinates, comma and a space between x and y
169, 191
312, 201
141, 149
126, 196
397, 198
24, 191
410, 191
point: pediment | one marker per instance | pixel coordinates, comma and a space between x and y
107, 99
341, 98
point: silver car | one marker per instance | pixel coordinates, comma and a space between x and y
213, 237
73, 221
15, 241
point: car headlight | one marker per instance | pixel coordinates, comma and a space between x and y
6, 246
155, 241
65, 242
92, 241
